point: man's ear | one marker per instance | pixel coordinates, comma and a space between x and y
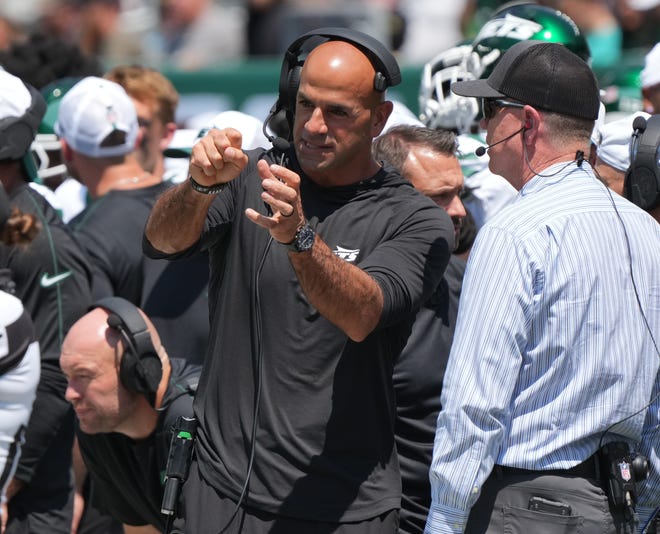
67, 152
382, 113
531, 122
140, 139
168, 134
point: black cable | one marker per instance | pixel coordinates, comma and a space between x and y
579, 159
257, 393
646, 323
168, 524
258, 367
639, 304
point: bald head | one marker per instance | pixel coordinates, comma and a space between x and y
92, 331
90, 360
345, 65
92, 335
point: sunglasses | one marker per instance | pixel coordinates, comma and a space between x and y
490, 106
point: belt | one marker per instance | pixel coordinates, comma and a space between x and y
587, 469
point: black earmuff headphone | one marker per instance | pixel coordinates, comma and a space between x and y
17, 133
140, 369
642, 181
387, 69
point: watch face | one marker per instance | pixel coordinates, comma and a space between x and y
304, 239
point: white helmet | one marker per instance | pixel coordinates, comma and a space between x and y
46, 147
439, 107
43, 147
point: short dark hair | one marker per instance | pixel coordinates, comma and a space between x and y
394, 145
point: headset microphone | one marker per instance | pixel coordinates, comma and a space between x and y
280, 143
480, 151
639, 125
276, 120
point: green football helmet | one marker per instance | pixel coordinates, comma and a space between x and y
46, 147
522, 21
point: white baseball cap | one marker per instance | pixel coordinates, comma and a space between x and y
90, 111
650, 75
614, 144
250, 127
15, 98
21, 109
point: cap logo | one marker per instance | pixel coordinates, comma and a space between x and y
111, 115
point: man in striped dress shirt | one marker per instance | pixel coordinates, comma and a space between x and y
555, 356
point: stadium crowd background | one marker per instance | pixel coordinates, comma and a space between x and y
226, 54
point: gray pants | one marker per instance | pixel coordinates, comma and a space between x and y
543, 504
204, 511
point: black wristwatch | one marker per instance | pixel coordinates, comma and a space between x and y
206, 189
304, 239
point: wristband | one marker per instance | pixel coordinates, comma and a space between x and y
204, 189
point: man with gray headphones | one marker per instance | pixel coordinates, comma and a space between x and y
127, 394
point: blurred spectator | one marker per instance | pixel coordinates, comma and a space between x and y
475, 13
262, 25
61, 19
98, 126
600, 27
201, 33
155, 100
41, 59
650, 81
15, 18
273, 24
431, 27
640, 21
98, 24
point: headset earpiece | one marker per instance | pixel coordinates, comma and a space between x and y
293, 82
380, 82
140, 369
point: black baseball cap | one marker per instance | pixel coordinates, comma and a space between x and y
547, 76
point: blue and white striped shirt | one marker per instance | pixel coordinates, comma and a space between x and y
551, 347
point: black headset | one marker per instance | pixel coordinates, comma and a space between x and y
17, 133
140, 370
387, 69
642, 181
